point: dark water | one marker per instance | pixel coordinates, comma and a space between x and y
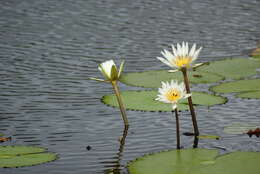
48, 48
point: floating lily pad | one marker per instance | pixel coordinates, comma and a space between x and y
209, 137
20, 156
238, 86
145, 101
1, 134
153, 79
250, 95
171, 162
196, 161
256, 56
240, 128
235, 68
232, 163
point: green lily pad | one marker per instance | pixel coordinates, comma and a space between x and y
256, 57
238, 86
235, 68
196, 161
153, 79
232, 163
20, 156
249, 95
1, 134
240, 128
145, 101
215, 137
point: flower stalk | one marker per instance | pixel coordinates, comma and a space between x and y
120, 102
177, 129
192, 111
112, 75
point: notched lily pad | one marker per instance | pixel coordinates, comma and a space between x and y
20, 156
196, 161
153, 79
145, 101
235, 68
238, 86
172, 162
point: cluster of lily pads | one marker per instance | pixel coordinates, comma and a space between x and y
232, 75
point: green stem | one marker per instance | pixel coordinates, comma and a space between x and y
193, 115
177, 129
120, 102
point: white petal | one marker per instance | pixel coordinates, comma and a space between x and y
168, 55
174, 51
187, 95
107, 65
174, 106
192, 50
179, 49
164, 61
195, 56
183, 48
186, 49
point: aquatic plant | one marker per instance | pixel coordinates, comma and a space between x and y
171, 93
21, 156
196, 161
112, 75
182, 59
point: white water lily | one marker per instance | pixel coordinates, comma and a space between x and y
172, 92
109, 70
181, 56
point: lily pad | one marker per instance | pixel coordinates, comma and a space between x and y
215, 137
232, 163
145, 101
235, 68
240, 128
196, 161
153, 79
20, 156
238, 86
250, 95
1, 134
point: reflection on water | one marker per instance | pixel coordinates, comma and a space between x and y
118, 167
48, 48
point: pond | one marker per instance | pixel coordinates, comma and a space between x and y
49, 48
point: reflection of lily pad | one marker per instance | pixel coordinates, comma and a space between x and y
240, 128
196, 161
238, 86
20, 156
152, 79
232, 68
145, 101
252, 94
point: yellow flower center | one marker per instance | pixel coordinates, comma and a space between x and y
173, 95
182, 61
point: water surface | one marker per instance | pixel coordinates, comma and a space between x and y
48, 48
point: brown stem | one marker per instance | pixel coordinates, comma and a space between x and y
193, 115
120, 102
177, 129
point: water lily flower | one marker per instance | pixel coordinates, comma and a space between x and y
109, 70
180, 56
172, 92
